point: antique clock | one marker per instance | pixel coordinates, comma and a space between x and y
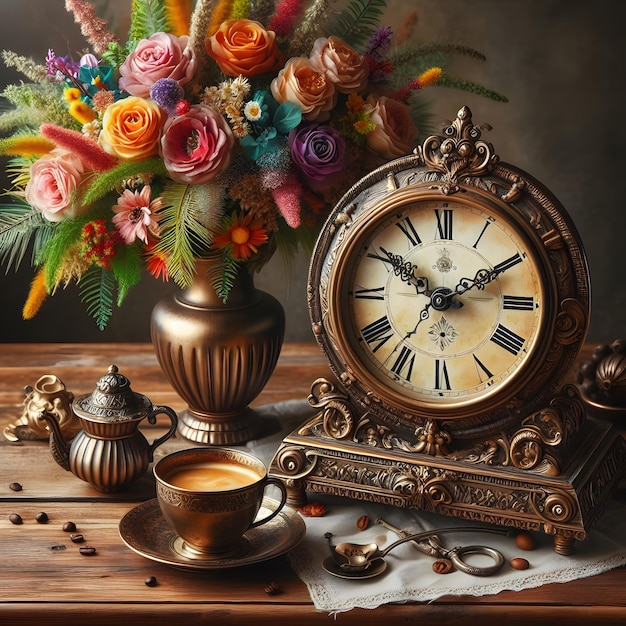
450, 294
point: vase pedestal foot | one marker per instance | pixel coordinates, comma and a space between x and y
219, 430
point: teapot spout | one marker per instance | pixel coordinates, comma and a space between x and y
59, 447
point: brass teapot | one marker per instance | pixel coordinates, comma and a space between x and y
110, 451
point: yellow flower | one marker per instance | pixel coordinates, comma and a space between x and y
82, 112
131, 128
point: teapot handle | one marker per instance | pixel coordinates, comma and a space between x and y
157, 410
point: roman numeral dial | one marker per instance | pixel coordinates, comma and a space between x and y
446, 300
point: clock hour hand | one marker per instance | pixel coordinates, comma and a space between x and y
404, 269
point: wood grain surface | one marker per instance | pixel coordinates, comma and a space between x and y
45, 580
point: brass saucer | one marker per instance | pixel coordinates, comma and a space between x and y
145, 531
377, 568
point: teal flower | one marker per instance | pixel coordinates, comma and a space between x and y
271, 123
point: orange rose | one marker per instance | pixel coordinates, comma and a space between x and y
131, 128
244, 47
347, 69
395, 133
300, 83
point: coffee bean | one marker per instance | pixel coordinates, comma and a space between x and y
42, 517
151, 581
272, 589
87, 550
15, 518
69, 527
77, 538
15, 487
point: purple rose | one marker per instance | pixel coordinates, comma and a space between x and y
319, 152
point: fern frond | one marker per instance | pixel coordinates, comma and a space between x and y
126, 266
224, 276
471, 87
147, 17
356, 23
106, 182
19, 225
401, 55
188, 221
96, 288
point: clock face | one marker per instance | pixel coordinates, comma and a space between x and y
440, 300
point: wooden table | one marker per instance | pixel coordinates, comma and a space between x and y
42, 586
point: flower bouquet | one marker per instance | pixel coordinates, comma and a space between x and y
221, 127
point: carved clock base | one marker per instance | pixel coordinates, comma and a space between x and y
492, 481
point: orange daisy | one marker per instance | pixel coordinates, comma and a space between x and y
242, 237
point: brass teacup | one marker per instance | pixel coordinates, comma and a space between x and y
211, 497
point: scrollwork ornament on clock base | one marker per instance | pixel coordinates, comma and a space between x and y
450, 294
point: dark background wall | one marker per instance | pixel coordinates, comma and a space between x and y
560, 62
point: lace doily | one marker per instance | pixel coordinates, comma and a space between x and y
409, 575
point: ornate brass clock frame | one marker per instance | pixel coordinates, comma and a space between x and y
450, 294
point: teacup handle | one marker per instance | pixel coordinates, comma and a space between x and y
283, 499
157, 410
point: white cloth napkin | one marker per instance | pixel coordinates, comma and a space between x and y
409, 575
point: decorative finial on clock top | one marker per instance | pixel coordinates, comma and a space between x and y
459, 152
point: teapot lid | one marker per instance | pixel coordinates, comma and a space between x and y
112, 400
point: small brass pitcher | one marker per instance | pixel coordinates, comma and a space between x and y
110, 451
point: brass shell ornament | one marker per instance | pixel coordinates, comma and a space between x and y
602, 380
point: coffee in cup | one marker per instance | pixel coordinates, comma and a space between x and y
211, 497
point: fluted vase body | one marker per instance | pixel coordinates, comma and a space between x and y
218, 356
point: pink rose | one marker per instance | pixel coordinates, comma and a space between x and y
300, 83
343, 66
160, 56
395, 134
53, 180
196, 146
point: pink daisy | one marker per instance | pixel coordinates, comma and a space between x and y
133, 214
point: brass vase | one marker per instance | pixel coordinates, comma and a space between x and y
218, 356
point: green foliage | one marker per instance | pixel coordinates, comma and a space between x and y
188, 221
66, 234
96, 288
126, 265
224, 278
115, 55
471, 87
358, 21
107, 181
19, 225
35, 104
430, 54
410, 61
147, 17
